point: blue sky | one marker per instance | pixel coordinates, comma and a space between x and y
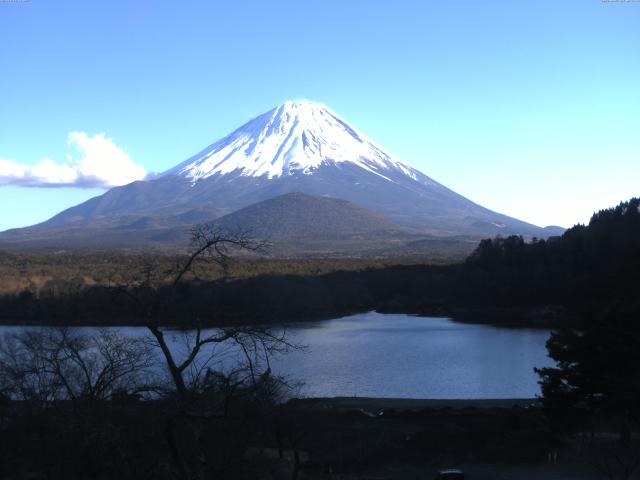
529, 108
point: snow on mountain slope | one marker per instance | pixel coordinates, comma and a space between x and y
298, 136
297, 147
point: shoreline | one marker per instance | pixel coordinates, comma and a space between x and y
378, 405
505, 317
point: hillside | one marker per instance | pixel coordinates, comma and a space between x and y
299, 215
296, 147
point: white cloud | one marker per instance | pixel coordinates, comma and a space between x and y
92, 161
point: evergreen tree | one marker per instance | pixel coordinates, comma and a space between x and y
597, 371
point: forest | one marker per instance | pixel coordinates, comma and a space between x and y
505, 280
80, 406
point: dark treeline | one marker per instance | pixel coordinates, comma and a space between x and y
593, 391
265, 298
589, 267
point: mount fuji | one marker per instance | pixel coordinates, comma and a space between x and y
299, 146
295, 137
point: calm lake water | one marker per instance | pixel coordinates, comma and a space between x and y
404, 356
376, 355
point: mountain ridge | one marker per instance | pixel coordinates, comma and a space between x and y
297, 214
296, 147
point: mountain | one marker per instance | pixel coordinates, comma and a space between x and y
299, 215
297, 224
297, 147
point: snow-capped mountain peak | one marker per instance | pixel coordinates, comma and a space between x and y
297, 136
299, 148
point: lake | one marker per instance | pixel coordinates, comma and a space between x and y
389, 355
405, 356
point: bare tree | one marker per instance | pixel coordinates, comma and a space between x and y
217, 382
204, 383
256, 344
52, 364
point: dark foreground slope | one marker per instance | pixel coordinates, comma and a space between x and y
295, 440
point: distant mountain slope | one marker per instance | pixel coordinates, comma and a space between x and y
297, 226
297, 147
299, 215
